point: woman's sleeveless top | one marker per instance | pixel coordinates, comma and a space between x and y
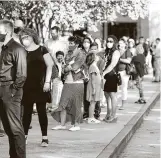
108, 58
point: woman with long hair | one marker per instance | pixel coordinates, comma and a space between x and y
112, 56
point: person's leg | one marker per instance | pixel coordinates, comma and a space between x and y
140, 87
86, 103
91, 118
157, 69
108, 100
11, 120
43, 119
63, 115
27, 116
97, 109
91, 109
113, 103
124, 87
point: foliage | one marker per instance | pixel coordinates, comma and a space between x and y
73, 14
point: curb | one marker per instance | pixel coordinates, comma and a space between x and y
119, 142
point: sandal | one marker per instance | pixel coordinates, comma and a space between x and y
107, 118
113, 120
141, 101
121, 108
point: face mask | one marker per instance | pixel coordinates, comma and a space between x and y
26, 42
86, 45
72, 48
2, 37
17, 30
54, 37
109, 45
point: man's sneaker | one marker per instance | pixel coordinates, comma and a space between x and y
74, 128
93, 121
45, 143
59, 127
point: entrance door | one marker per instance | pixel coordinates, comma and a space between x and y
123, 29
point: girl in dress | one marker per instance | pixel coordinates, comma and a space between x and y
94, 86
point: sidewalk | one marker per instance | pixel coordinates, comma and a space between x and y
146, 141
91, 140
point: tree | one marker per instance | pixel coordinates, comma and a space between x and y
74, 14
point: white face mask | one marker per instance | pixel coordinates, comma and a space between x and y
109, 45
26, 42
86, 45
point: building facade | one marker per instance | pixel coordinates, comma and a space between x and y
124, 26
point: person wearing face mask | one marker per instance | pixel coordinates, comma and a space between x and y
38, 82
126, 57
13, 72
70, 105
18, 26
55, 44
110, 73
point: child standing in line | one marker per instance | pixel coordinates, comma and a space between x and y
94, 86
101, 65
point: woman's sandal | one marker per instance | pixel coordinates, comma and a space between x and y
121, 108
113, 120
107, 118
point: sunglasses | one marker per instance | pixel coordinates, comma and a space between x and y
109, 41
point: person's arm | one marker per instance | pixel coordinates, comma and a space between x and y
93, 84
49, 65
20, 61
128, 59
46, 45
115, 59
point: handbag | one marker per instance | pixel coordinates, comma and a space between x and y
116, 74
130, 69
119, 80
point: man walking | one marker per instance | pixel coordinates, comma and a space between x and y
12, 77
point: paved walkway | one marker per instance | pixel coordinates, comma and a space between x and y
88, 142
146, 141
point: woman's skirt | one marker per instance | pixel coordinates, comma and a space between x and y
111, 84
72, 101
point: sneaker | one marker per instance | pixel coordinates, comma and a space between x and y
59, 127
93, 121
74, 128
45, 143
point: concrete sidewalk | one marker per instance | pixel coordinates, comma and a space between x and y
93, 140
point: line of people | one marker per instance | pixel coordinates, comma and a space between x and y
73, 76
